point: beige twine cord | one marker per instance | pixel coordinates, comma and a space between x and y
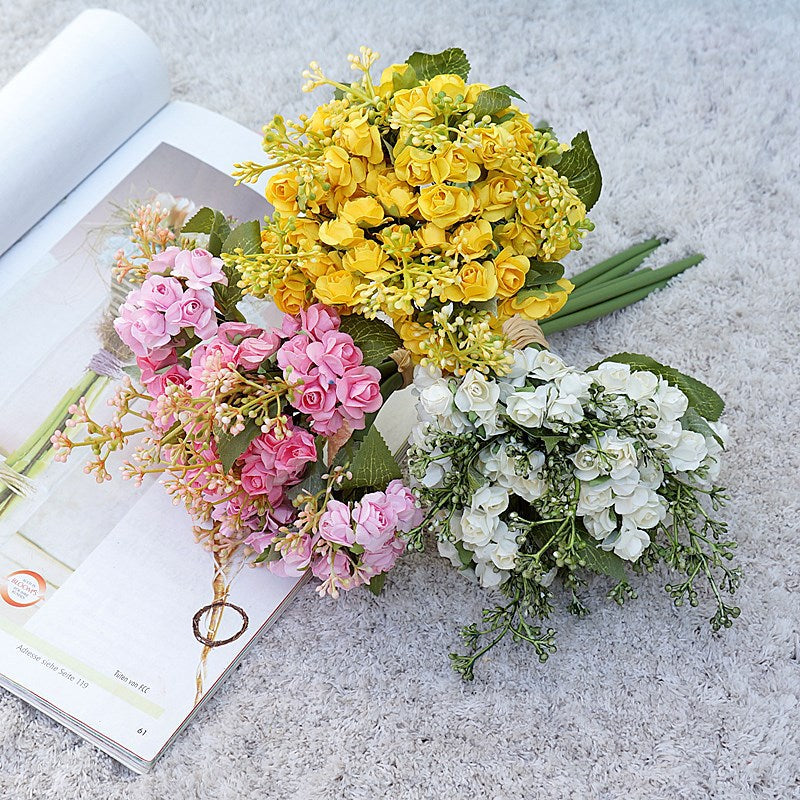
523, 332
405, 366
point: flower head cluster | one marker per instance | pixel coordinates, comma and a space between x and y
408, 193
550, 470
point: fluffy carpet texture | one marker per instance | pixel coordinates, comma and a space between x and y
694, 112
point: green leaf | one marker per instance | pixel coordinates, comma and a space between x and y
579, 166
372, 465
214, 245
376, 340
209, 221
246, 236
452, 61
464, 555
692, 421
313, 482
405, 80
604, 562
703, 399
541, 272
377, 583
493, 101
231, 447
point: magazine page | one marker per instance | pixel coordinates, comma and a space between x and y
106, 600
91, 88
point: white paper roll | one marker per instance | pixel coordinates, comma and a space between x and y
91, 88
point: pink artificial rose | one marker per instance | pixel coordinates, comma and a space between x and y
292, 454
335, 524
163, 262
293, 359
176, 375
376, 521
258, 478
290, 325
262, 535
319, 319
143, 329
402, 500
382, 560
160, 293
199, 268
252, 352
327, 423
359, 392
155, 361
194, 310
342, 568
334, 354
315, 397
294, 560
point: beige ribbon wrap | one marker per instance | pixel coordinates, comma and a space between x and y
523, 332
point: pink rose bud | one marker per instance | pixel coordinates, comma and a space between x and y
199, 268
194, 310
318, 319
335, 524
163, 262
334, 354
376, 521
159, 293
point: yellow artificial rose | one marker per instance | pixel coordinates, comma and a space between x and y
471, 239
362, 139
336, 288
396, 196
412, 334
366, 259
364, 211
386, 87
511, 271
320, 120
305, 233
532, 307
445, 205
270, 241
521, 128
281, 191
474, 89
493, 145
343, 172
340, 233
452, 85
291, 296
520, 238
414, 105
478, 281
496, 196
413, 166
319, 264
431, 236
455, 163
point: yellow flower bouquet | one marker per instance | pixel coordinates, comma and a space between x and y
428, 200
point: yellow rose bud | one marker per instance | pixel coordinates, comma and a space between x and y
511, 270
471, 239
474, 89
340, 233
397, 197
281, 191
336, 288
292, 295
413, 166
366, 259
533, 307
320, 120
478, 281
362, 139
452, 85
364, 211
414, 105
445, 205
496, 196
431, 236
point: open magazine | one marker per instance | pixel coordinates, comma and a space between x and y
106, 600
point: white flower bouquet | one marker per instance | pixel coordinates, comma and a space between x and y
549, 473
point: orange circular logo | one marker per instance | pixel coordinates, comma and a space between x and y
23, 588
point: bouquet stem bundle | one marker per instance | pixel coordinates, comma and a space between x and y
614, 284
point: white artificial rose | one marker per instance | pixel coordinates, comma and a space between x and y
488, 575
601, 524
547, 366
651, 513
671, 402
528, 408
476, 393
641, 385
522, 367
490, 420
624, 483
621, 452
425, 376
588, 463
448, 550
437, 399
612, 375
504, 552
529, 489
565, 408
489, 462
688, 453
651, 476
492, 500
595, 498
576, 384
668, 433
631, 542
436, 470
628, 503
477, 528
